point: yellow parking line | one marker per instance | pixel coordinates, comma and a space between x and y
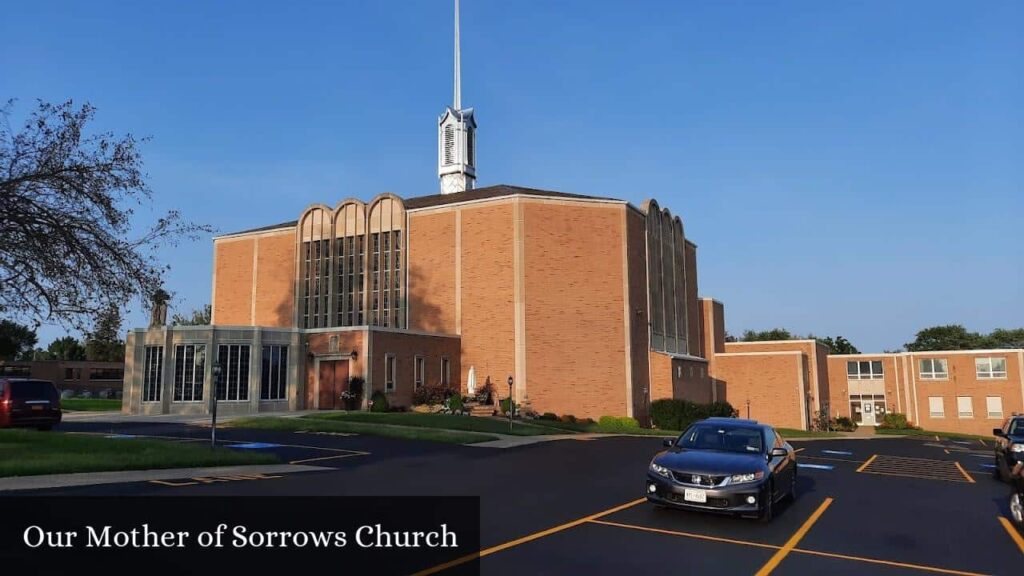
525, 539
819, 553
1013, 533
982, 442
886, 562
687, 534
964, 472
865, 464
798, 450
790, 544
919, 477
830, 459
945, 450
325, 458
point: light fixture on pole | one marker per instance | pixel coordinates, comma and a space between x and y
511, 404
217, 371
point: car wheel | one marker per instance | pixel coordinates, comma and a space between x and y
1017, 509
768, 508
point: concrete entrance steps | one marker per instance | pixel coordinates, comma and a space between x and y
861, 432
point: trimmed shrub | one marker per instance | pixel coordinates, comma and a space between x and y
586, 421
378, 402
504, 404
430, 394
896, 421
455, 403
568, 418
844, 424
617, 423
672, 414
548, 416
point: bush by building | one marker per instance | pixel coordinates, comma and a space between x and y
378, 402
672, 414
617, 424
896, 421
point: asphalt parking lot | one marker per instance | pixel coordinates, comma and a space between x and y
880, 506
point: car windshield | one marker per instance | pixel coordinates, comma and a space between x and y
1016, 427
722, 437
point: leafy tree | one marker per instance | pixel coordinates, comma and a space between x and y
948, 337
1002, 338
839, 345
16, 340
67, 249
773, 334
103, 343
198, 317
66, 348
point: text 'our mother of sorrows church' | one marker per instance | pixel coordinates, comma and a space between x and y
590, 304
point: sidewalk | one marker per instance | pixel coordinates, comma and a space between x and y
119, 417
92, 478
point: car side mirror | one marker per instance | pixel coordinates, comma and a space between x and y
997, 432
779, 452
668, 442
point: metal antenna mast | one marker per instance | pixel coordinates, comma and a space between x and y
458, 63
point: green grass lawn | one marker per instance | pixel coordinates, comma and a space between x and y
485, 425
28, 453
953, 435
595, 428
795, 433
90, 404
368, 428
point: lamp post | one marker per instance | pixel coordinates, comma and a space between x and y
217, 371
511, 404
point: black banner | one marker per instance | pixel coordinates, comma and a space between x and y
183, 535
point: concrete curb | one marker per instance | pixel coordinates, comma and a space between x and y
93, 478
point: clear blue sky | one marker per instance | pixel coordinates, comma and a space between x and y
851, 168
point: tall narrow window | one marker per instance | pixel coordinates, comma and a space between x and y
189, 372
234, 381
317, 267
446, 371
153, 370
389, 372
274, 373
419, 368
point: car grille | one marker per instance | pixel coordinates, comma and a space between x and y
691, 479
711, 503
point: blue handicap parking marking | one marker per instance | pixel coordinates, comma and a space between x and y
254, 446
816, 466
120, 436
962, 442
981, 455
988, 465
841, 452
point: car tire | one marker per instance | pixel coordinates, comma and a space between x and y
768, 508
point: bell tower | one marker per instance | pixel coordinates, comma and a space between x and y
456, 135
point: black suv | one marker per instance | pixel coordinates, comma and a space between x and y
29, 403
1009, 446
724, 465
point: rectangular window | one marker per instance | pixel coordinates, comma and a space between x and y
864, 370
189, 372
152, 375
389, 372
233, 384
990, 367
994, 406
106, 374
936, 409
964, 407
419, 369
17, 371
446, 369
934, 369
274, 373
74, 373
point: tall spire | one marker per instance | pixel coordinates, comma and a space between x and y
456, 135
457, 102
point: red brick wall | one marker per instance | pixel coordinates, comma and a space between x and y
575, 338
232, 302
771, 382
488, 293
405, 347
432, 272
275, 280
636, 251
693, 307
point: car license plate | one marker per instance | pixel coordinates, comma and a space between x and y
693, 495
37, 407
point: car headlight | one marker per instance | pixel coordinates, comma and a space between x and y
741, 478
1017, 448
660, 470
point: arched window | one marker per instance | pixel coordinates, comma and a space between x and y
386, 289
349, 263
315, 252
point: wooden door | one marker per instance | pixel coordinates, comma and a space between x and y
333, 380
